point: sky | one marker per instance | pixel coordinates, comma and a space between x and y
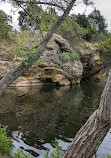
103, 5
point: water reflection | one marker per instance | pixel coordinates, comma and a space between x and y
35, 116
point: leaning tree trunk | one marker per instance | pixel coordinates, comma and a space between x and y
92, 133
25, 65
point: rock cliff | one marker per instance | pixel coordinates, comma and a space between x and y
52, 69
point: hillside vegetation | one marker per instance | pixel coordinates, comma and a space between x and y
77, 29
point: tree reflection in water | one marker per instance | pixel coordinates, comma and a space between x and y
36, 115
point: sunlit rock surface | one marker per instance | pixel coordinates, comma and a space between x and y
50, 71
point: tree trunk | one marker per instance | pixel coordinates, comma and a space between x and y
25, 65
92, 133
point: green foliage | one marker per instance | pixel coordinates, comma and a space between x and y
96, 155
56, 153
26, 22
77, 51
21, 154
97, 20
71, 30
5, 141
73, 54
65, 56
5, 28
6, 144
84, 22
48, 19
45, 19
108, 156
94, 23
25, 44
105, 46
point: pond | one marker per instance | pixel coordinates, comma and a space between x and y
36, 116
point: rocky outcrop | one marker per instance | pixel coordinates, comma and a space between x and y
6, 62
93, 67
51, 69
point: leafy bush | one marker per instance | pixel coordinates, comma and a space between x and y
105, 46
71, 31
6, 145
24, 44
56, 153
5, 141
21, 154
73, 54
65, 56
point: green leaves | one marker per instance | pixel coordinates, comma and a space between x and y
21, 154
56, 153
5, 141
25, 45
105, 46
5, 28
73, 54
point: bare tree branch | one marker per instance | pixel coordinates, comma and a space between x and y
43, 3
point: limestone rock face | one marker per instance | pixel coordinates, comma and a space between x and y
74, 70
6, 62
61, 80
55, 47
93, 67
50, 70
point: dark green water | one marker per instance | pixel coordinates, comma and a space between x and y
35, 116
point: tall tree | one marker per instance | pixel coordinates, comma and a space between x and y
95, 23
4, 25
97, 20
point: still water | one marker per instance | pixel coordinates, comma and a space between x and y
36, 116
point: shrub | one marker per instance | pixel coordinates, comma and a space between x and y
105, 46
5, 141
71, 31
21, 154
73, 54
65, 56
56, 153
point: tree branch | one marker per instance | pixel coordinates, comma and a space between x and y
30, 16
44, 3
14, 74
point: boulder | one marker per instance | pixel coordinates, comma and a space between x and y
55, 47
